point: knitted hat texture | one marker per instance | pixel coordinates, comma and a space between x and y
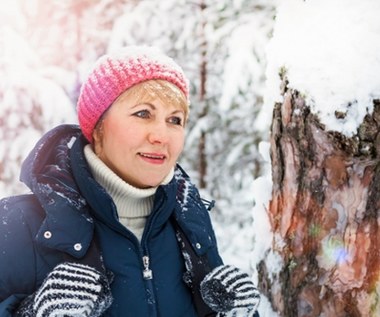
116, 72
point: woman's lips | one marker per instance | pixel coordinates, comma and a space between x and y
154, 158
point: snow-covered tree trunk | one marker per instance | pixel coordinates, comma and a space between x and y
324, 214
324, 83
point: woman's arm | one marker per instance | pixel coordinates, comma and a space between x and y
17, 256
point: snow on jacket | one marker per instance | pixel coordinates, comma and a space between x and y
67, 206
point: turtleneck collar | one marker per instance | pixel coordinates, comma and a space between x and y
131, 202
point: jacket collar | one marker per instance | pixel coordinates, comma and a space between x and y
47, 171
191, 214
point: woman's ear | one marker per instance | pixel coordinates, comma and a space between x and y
97, 138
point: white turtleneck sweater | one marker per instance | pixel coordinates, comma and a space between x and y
133, 204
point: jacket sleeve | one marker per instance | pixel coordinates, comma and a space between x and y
10, 304
17, 257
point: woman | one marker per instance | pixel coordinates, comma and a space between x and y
113, 226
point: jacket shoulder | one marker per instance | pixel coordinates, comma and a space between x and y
20, 217
21, 210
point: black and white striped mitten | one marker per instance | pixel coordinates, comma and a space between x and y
230, 292
70, 290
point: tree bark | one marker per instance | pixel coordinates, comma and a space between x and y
324, 215
202, 97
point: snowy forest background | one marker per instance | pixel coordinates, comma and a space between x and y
46, 48
228, 51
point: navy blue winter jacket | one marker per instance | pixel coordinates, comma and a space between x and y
67, 207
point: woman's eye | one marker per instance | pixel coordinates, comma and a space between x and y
175, 120
142, 114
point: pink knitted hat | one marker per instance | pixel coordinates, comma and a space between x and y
115, 73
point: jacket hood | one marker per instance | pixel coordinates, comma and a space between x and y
47, 172
48, 157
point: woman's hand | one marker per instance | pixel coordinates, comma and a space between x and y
70, 290
230, 292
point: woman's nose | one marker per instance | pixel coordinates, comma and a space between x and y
159, 133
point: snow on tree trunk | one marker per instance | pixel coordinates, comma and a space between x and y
324, 215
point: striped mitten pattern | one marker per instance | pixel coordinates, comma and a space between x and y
70, 290
230, 292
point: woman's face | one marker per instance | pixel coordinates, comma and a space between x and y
140, 142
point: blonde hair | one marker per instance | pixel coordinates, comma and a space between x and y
167, 92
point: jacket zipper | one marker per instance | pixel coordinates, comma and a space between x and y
147, 272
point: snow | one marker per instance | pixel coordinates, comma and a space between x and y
329, 50
241, 65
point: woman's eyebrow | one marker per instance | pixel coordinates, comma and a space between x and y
150, 105
180, 111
